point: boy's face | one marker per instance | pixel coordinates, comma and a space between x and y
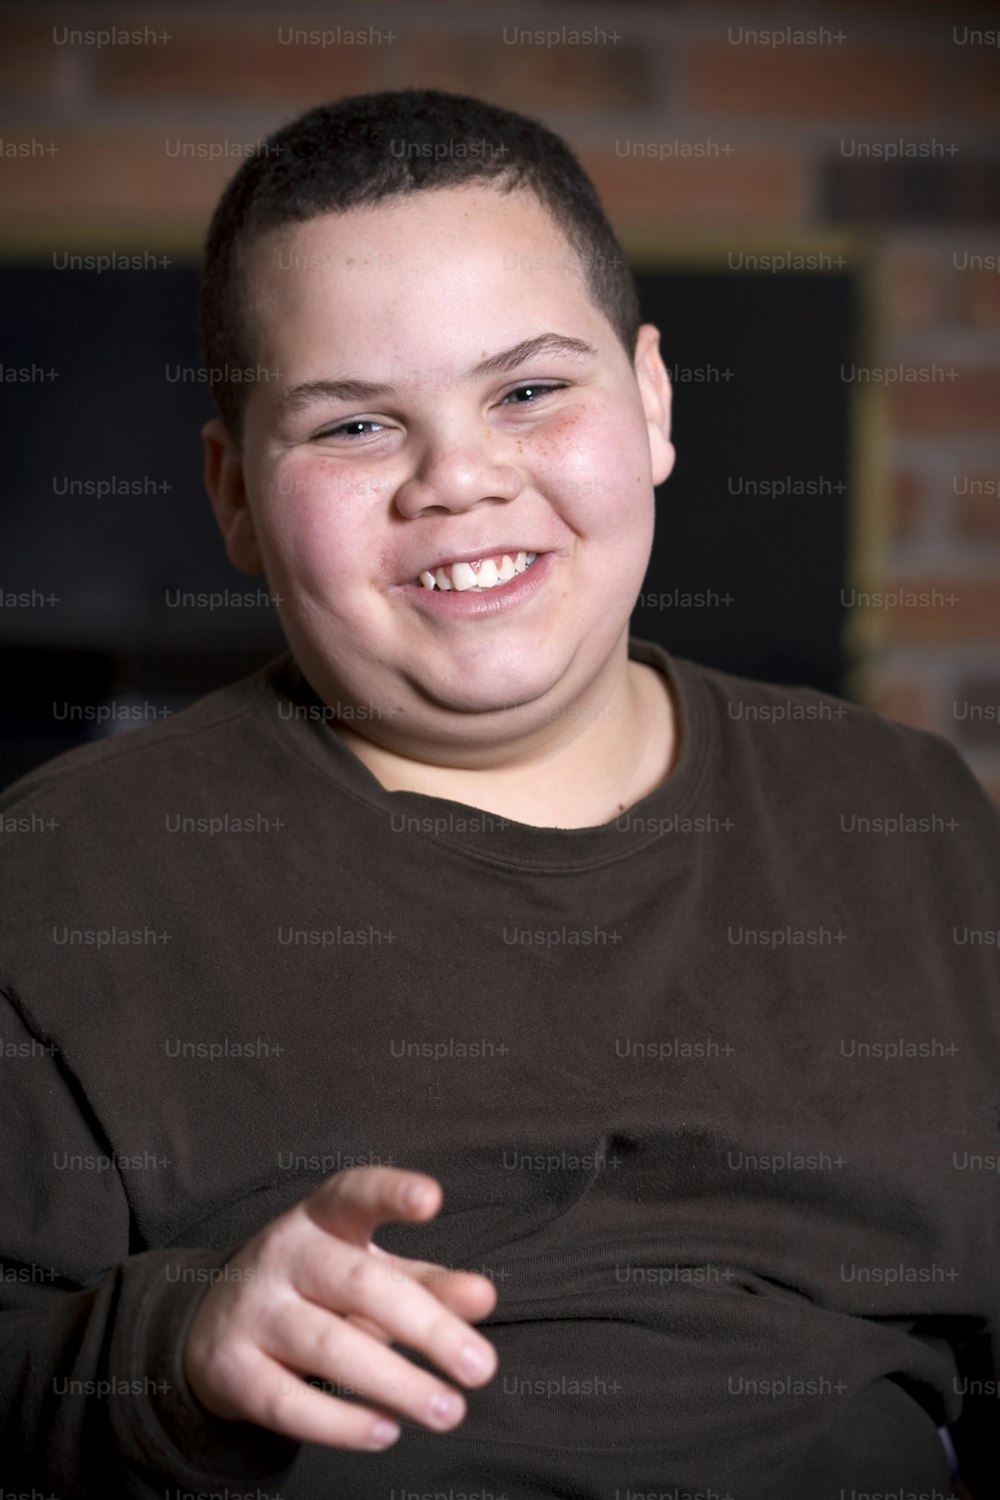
411, 295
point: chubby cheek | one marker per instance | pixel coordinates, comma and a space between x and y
319, 532
596, 469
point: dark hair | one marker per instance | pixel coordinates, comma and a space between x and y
340, 155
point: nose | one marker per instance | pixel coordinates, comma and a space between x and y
455, 475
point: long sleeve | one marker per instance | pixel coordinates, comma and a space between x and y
92, 1393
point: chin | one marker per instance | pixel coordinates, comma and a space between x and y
492, 676
486, 698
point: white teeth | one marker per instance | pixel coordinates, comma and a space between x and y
461, 576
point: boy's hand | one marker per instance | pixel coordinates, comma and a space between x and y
311, 1295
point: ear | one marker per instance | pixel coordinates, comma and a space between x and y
654, 387
224, 482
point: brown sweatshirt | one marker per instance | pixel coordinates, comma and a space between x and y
713, 1093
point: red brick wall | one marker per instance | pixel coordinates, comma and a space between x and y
97, 120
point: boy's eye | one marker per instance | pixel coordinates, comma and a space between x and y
532, 392
344, 430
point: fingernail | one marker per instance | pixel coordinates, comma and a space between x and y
446, 1406
415, 1194
384, 1433
475, 1360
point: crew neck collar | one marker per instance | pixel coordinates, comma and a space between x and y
300, 719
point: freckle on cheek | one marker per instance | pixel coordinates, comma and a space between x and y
556, 443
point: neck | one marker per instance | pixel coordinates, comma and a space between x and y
605, 757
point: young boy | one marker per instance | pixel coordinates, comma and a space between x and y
610, 954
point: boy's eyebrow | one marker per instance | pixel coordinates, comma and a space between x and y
301, 396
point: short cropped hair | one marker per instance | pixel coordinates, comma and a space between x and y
366, 148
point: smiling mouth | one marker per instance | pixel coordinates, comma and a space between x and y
480, 576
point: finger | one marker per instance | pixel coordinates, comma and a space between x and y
308, 1338
462, 1300
355, 1282
447, 1282
470, 1296
367, 1326
467, 1294
352, 1204
279, 1399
